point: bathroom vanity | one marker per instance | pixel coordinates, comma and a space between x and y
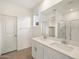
51, 48
62, 21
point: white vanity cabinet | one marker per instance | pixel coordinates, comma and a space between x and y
37, 50
40, 51
52, 54
48, 54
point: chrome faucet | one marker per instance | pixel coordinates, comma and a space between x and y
64, 41
44, 36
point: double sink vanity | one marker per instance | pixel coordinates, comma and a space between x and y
51, 48
60, 21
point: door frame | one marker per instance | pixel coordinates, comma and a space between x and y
16, 34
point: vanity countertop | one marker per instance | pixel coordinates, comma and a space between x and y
46, 42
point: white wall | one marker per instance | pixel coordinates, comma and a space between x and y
9, 8
73, 15
24, 32
47, 4
36, 31
0, 34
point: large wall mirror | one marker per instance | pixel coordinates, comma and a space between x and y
68, 12
75, 30
66, 23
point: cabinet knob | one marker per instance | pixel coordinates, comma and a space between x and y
35, 49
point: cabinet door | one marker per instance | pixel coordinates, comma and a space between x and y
37, 50
34, 49
48, 53
40, 51
62, 56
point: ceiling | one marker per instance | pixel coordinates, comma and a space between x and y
63, 7
26, 3
66, 5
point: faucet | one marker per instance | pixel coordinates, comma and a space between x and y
44, 36
64, 41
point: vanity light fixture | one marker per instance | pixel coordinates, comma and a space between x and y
71, 9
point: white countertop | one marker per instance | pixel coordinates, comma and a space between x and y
74, 53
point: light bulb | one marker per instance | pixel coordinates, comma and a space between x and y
71, 9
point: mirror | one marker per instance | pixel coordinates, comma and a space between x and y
36, 20
48, 24
65, 21
68, 12
75, 30
61, 30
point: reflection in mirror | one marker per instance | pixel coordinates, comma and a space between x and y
75, 30
48, 24
36, 20
68, 10
62, 30
65, 12
68, 30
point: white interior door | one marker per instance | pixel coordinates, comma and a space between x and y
9, 34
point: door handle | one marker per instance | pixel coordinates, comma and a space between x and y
35, 49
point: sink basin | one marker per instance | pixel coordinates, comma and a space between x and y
62, 46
